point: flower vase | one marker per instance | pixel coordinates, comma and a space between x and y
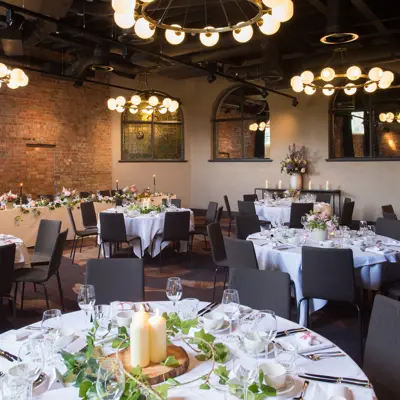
319, 234
9, 206
296, 182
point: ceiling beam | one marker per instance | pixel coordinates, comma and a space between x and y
321, 7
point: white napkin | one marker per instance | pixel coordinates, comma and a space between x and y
320, 391
76, 345
377, 250
391, 242
256, 235
305, 343
20, 335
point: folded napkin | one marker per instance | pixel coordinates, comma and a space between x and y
20, 335
377, 250
305, 342
323, 391
391, 242
256, 235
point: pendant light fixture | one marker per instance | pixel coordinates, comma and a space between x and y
13, 78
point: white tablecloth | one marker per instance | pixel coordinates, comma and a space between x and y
342, 366
368, 267
22, 259
280, 214
147, 227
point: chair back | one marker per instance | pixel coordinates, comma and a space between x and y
176, 226
84, 195
388, 227
105, 193
88, 212
49, 197
347, 200
117, 279
56, 257
114, 192
389, 215
228, 207
218, 216
246, 208
246, 225
347, 214
217, 242
262, 290
46, 236
112, 227
72, 219
7, 259
240, 253
382, 350
250, 197
323, 198
328, 274
211, 212
174, 202
297, 210
388, 209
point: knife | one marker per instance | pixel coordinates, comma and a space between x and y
336, 381
205, 309
208, 309
7, 357
290, 332
12, 356
335, 377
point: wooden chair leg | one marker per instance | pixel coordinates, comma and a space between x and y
60, 290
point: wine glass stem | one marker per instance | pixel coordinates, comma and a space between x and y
230, 326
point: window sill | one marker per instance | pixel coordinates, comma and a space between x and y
362, 159
230, 160
153, 161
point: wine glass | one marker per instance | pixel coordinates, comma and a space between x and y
265, 327
231, 307
15, 388
102, 316
86, 300
174, 290
303, 220
110, 382
363, 227
51, 329
245, 370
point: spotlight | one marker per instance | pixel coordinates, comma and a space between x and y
295, 102
211, 78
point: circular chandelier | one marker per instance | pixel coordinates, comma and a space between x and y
389, 117
258, 126
13, 78
144, 100
356, 79
148, 15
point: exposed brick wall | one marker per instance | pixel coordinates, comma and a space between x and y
50, 111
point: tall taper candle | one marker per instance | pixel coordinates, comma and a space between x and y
309, 185
327, 185
158, 338
280, 184
20, 190
266, 184
154, 180
140, 339
116, 182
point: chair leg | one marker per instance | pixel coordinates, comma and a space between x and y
229, 228
15, 291
22, 295
98, 255
34, 287
11, 303
60, 290
359, 316
46, 295
72, 248
215, 283
226, 276
161, 256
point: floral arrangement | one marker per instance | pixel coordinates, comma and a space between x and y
295, 161
321, 220
8, 198
67, 193
291, 193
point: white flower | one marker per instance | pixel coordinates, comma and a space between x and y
303, 170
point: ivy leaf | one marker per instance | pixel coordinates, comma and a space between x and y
205, 336
173, 382
268, 390
221, 353
80, 377
201, 357
205, 386
171, 361
223, 374
261, 377
253, 388
162, 390
186, 325
84, 387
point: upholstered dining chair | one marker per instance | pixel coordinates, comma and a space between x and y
7, 258
84, 195
250, 197
217, 251
323, 198
382, 350
105, 193
218, 216
388, 227
88, 212
45, 241
230, 214
328, 274
211, 215
387, 215
388, 209
174, 202
41, 274
240, 253
119, 279
113, 233
297, 210
346, 218
246, 225
246, 208
262, 290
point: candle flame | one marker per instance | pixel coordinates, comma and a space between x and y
116, 180
21, 184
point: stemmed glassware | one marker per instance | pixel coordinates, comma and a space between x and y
245, 371
15, 388
174, 290
51, 330
102, 316
265, 327
86, 300
110, 382
231, 307
363, 227
303, 220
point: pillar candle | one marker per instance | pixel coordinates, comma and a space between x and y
116, 183
309, 185
266, 184
327, 185
280, 184
140, 339
158, 338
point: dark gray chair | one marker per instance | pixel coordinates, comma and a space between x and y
297, 210
176, 228
382, 350
79, 234
250, 197
346, 218
246, 225
211, 215
7, 259
240, 253
389, 215
262, 290
388, 227
217, 251
49, 197
114, 192
329, 274
323, 198
84, 195
230, 215
116, 280
218, 216
88, 212
45, 241
347, 200
388, 209
174, 202
246, 208
113, 233
41, 274
105, 193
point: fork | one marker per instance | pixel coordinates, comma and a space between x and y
319, 353
303, 391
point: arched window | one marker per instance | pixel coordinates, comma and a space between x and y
156, 137
241, 125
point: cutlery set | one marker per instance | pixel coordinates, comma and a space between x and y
336, 379
207, 309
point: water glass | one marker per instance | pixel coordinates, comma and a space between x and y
286, 355
32, 356
363, 227
15, 388
51, 330
174, 289
266, 326
102, 316
188, 309
110, 382
231, 306
303, 220
86, 300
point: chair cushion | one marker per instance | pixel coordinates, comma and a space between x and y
37, 274
88, 232
38, 258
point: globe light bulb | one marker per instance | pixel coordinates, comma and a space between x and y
262, 126
328, 90
268, 24
150, 111
273, 3
384, 85
375, 74
17, 75
135, 100
370, 87
388, 76
307, 77
12, 84
124, 21
353, 73
174, 37
173, 108
167, 102
123, 6
25, 81
120, 109
112, 104
153, 101
120, 101
284, 11
163, 110
133, 110
389, 117
298, 88
3, 70
209, 39
243, 34
174, 104
309, 90
143, 29
382, 117
297, 84
327, 74
350, 89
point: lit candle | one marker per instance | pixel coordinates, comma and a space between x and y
158, 338
140, 339
309, 185
266, 184
20, 190
154, 180
280, 184
116, 182
327, 185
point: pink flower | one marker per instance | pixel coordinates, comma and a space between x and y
133, 189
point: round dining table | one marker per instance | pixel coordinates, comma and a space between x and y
22, 259
334, 367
